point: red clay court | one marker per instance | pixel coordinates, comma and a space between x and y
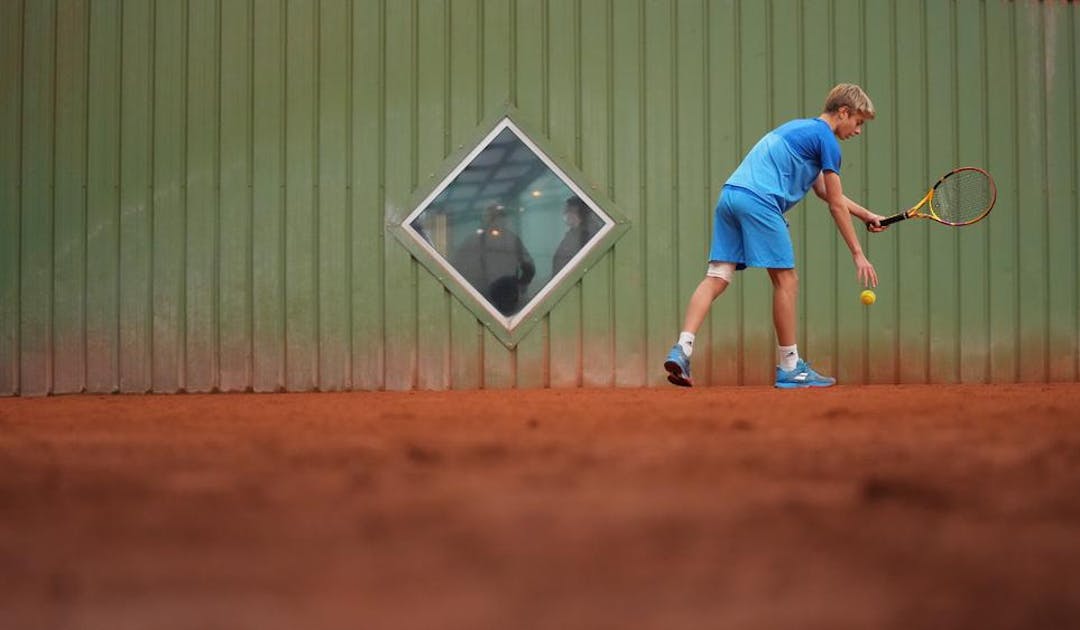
855, 507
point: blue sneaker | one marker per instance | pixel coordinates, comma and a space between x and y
678, 367
802, 376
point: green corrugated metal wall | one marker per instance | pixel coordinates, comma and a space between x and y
193, 193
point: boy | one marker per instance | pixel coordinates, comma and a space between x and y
749, 229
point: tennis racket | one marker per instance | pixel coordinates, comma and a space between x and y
961, 197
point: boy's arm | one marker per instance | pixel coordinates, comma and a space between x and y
839, 206
853, 208
865, 215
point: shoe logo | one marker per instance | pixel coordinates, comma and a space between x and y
801, 376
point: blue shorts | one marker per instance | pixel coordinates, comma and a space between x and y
749, 232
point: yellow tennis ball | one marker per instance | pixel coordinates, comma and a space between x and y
867, 297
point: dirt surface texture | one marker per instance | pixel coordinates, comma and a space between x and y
851, 507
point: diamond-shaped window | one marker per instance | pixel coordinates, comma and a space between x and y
508, 229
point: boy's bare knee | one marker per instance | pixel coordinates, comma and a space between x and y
715, 286
784, 278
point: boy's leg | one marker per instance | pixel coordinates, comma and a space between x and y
792, 372
725, 251
704, 295
677, 363
785, 298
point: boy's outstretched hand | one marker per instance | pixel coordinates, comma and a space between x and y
865, 271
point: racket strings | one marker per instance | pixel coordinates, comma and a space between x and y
963, 197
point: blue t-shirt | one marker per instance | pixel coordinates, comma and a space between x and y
782, 166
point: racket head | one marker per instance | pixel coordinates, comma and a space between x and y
961, 197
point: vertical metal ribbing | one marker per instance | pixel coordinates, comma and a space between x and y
117, 376
448, 361
350, 382
152, 209
545, 65
316, 195
512, 65
1016, 177
895, 130
251, 198
480, 111
643, 138
800, 79
215, 376
674, 124
545, 96
834, 262
1045, 95
985, 98
579, 368
50, 302
1073, 52
706, 125
85, 199
928, 345
740, 342
864, 73
414, 143
958, 375
182, 320
283, 37
382, 181
609, 21
16, 366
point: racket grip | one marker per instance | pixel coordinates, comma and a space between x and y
896, 218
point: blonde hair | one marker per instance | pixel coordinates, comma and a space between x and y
851, 96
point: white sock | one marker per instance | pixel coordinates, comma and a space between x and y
686, 340
789, 357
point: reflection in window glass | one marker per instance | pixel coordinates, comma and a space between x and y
507, 224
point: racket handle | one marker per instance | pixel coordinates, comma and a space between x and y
896, 218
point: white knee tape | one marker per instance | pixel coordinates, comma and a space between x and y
722, 270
